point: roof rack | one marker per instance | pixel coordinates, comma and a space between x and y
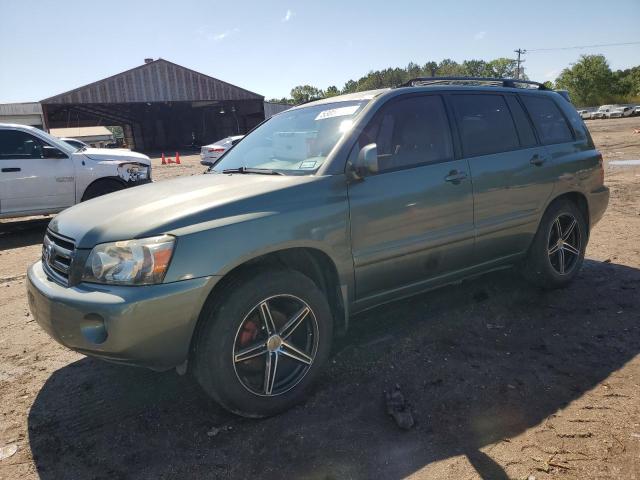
502, 82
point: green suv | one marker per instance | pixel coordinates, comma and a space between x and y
242, 276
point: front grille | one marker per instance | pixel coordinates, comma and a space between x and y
57, 255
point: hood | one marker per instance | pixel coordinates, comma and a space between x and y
163, 207
116, 156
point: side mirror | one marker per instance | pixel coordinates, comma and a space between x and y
52, 152
367, 161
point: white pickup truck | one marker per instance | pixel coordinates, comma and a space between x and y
40, 174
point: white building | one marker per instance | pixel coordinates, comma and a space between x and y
29, 113
94, 136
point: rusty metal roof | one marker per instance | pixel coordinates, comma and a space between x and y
157, 81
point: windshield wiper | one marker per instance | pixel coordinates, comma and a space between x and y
259, 171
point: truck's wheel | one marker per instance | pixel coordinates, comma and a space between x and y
101, 187
557, 251
264, 342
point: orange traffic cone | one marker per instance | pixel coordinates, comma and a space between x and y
178, 158
164, 161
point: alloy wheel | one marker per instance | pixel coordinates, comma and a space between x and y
564, 244
275, 345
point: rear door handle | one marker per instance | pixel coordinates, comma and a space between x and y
455, 177
537, 160
10, 169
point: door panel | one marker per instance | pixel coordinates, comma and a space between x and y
409, 226
413, 221
511, 173
509, 195
29, 182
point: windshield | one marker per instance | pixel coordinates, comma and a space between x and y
295, 142
76, 144
56, 142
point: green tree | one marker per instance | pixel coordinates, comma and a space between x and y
476, 68
331, 91
350, 87
281, 100
305, 93
589, 81
429, 69
626, 84
450, 68
503, 68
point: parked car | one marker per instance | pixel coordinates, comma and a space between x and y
41, 174
636, 110
626, 111
209, 154
75, 142
242, 276
614, 111
584, 114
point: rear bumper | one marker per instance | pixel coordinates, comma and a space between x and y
598, 201
149, 326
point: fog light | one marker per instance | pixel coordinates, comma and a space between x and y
93, 328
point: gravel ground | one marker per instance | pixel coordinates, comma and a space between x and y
504, 381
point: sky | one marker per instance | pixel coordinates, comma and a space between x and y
51, 46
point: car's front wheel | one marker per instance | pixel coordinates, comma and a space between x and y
102, 187
264, 341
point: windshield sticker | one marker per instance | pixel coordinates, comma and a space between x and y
337, 112
308, 165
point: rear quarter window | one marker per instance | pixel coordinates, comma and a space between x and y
549, 121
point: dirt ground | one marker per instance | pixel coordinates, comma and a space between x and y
504, 381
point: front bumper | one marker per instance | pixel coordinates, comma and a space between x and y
149, 326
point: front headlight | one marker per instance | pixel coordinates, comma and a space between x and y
130, 262
134, 172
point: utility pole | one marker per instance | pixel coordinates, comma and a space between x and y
519, 51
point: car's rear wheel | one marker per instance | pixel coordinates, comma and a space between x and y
102, 187
557, 251
263, 343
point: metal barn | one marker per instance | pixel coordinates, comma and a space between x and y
160, 105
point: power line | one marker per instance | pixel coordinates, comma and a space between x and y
582, 46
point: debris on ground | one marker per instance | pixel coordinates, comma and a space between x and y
8, 451
215, 430
398, 408
494, 326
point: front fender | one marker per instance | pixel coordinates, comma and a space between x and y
218, 246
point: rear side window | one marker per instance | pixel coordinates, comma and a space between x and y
525, 130
15, 144
410, 132
485, 124
549, 121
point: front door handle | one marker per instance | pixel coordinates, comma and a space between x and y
455, 177
11, 169
537, 160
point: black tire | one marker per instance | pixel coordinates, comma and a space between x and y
542, 266
219, 342
102, 187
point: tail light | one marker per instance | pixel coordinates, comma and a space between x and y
216, 150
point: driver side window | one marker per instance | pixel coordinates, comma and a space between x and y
410, 132
15, 144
